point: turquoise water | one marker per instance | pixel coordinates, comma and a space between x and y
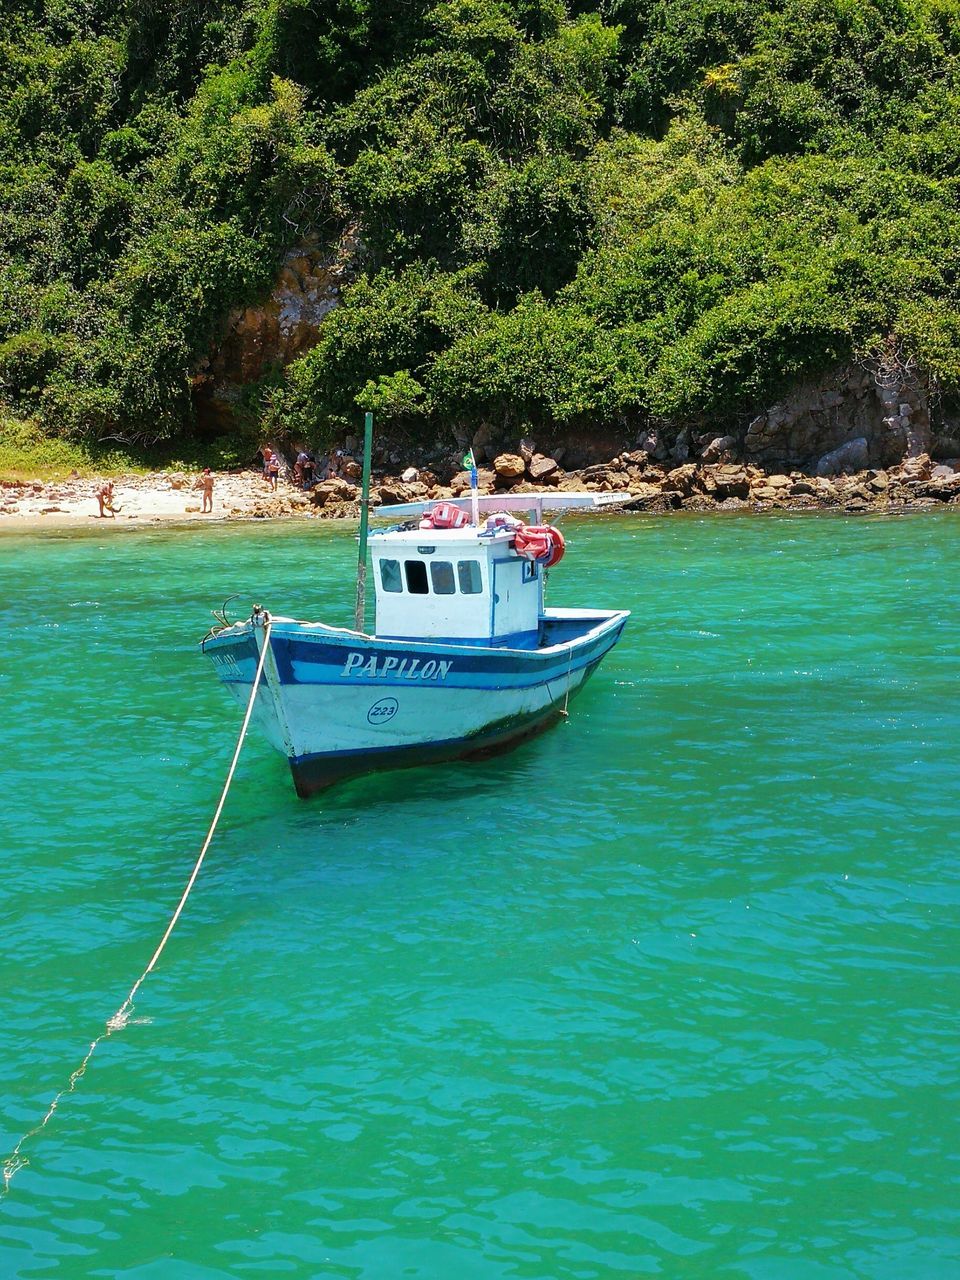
669, 991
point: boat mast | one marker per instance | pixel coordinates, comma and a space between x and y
470, 462
364, 520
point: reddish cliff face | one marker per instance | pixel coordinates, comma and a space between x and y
277, 330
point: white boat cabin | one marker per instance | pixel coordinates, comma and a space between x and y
455, 584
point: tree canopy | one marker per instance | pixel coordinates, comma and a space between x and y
569, 212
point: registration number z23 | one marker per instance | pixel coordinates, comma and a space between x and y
383, 711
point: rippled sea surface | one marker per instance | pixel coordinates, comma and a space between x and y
671, 990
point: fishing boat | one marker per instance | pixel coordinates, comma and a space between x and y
464, 659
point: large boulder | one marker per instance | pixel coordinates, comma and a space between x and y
542, 468
337, 488
641, 496
943, 483
393, 491
916, 468
510, 466
681, 448
730, 481
851, 456
719, 448
460, 483
595, 478
767, 487
485, 480
681, 479
651, 443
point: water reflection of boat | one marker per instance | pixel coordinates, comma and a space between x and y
463, 660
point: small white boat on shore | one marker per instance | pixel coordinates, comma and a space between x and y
463, 659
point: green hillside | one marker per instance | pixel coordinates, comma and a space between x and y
569, 215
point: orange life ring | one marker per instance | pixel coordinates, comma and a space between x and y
541, 543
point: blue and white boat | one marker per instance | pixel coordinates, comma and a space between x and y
463, 660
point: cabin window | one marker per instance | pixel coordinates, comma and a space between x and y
390, 575
468, 571
416, 572
441, 575
529, 570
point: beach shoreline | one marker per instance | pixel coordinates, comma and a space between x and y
161, 497
629, 482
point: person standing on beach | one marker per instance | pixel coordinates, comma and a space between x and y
105, 500
303, 470
205, 482
267, 454
273, 468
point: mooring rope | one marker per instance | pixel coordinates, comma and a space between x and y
566, 696
15, 1161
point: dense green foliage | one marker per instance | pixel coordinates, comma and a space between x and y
569, 212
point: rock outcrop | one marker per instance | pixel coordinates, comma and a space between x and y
279, 329
881, 412
852, 456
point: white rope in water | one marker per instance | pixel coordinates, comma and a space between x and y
15, 1161
566, 697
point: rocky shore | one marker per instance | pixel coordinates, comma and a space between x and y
645, 485
651, 486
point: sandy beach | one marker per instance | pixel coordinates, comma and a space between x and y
155, 497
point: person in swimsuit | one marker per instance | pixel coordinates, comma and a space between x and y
105, 500
205, 482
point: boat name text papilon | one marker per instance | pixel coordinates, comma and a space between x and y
357, 664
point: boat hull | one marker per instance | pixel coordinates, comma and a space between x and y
338, 704
316, 773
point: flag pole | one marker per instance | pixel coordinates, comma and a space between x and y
359, 617
474, 487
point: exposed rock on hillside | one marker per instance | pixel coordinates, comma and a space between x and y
852, 419
279, 329
885, 409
